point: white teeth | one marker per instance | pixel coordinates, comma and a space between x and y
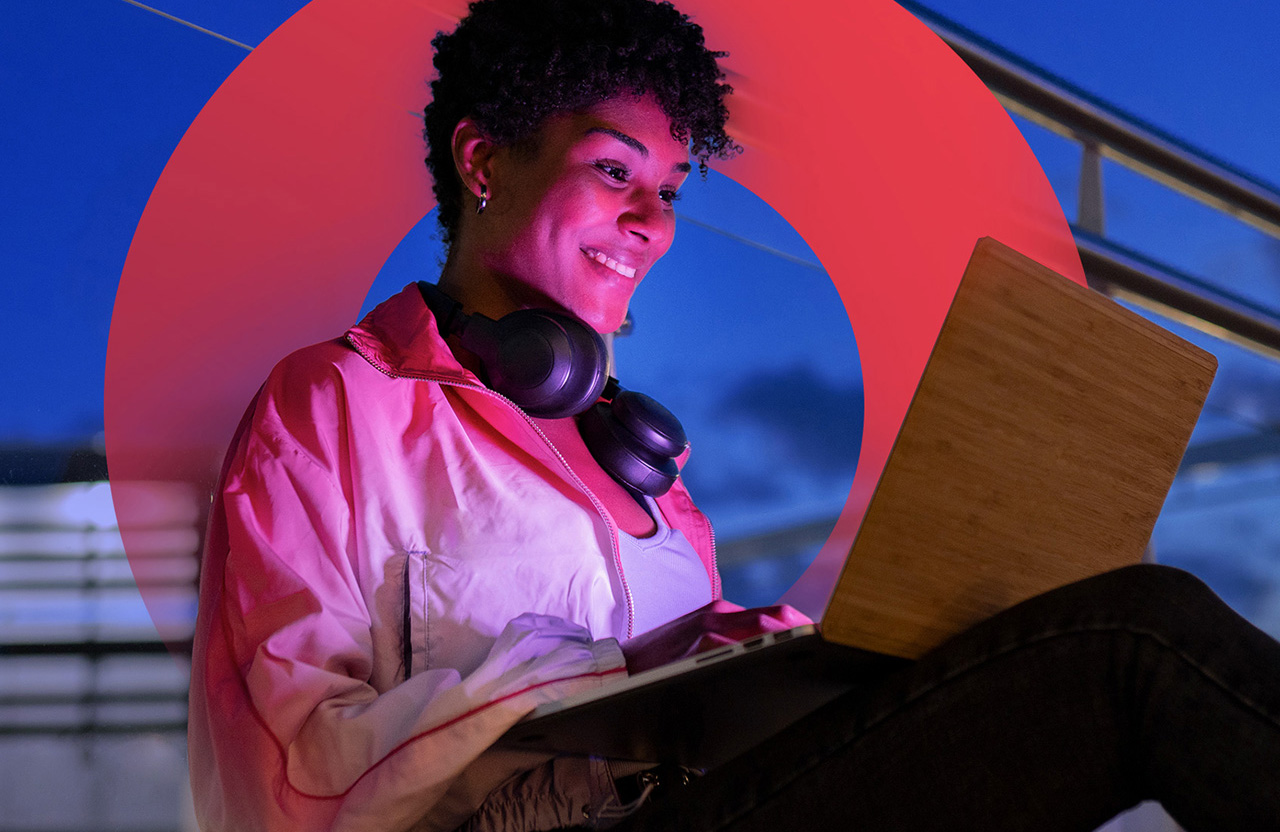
625, 271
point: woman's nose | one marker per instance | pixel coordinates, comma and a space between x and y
647, 218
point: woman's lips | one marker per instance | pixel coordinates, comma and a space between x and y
608, 262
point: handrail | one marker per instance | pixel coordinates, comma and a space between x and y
1063, 108
1103, 129
1068, 111
1128, 275
70, 662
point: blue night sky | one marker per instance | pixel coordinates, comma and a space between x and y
97, 93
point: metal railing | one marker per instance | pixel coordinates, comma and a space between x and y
1104, 131
78, 652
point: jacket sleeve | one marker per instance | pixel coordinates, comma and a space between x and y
294, 734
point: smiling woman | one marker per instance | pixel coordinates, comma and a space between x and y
401, 562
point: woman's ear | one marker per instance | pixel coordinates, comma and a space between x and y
472, 156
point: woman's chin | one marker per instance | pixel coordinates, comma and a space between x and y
605, 323
603, 318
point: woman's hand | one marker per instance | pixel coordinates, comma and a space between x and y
714, 625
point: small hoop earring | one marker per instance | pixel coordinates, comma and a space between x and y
484, 200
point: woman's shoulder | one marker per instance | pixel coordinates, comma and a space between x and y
311, 390
311, 376
325, 363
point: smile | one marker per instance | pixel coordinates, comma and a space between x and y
609, 262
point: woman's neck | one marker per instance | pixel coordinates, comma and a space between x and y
475, 287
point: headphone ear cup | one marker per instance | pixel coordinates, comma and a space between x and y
655, 427
549, 364
622, 436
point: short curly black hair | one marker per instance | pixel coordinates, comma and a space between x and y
511, 64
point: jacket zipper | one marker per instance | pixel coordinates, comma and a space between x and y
717, 591
599, 506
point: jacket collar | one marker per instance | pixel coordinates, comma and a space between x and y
400, 337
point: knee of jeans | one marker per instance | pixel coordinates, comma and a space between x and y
1156, 595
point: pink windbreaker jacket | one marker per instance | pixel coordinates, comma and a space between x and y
399, 566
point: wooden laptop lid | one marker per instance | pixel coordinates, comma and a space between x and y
1038, 450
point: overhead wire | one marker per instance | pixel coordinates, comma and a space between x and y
190, 25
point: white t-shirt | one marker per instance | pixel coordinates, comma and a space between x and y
664, 574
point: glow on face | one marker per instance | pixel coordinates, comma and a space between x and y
578, 224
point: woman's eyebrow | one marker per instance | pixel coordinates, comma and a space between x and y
635, 144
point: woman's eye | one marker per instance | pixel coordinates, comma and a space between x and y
669, 196
613, 171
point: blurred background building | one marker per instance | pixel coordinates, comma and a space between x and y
1156, 134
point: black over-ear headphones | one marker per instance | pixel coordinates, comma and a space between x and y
553, 365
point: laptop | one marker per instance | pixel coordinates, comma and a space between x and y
1037, 450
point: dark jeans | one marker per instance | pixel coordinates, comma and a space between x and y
1057, 714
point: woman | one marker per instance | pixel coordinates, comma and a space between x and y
402, 562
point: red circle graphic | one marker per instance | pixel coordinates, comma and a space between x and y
303, 172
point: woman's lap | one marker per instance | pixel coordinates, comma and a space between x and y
1055, 715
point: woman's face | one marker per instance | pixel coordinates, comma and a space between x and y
576, 224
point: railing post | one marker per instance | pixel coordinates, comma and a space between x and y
1090, 214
